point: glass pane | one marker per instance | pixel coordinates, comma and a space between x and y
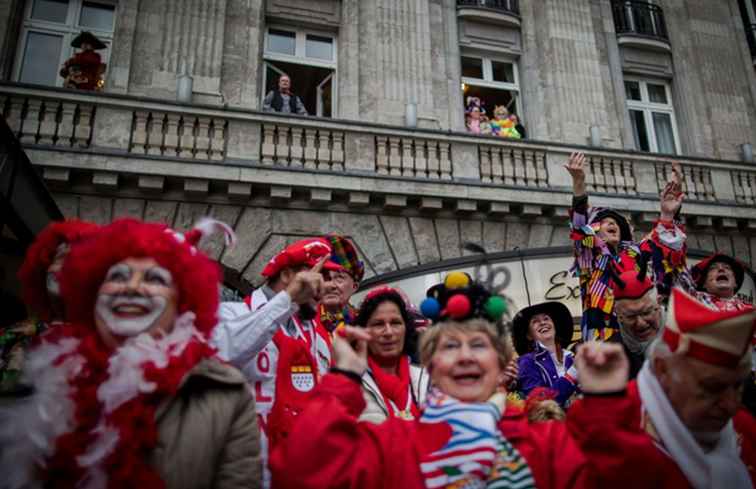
472, 67
319, 47
665, 138
97, 16
41, 58
632, 89
502, 72
283, 42
657, 93
50, 10
639, 130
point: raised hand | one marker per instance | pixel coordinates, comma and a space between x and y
307, 286
576, 167
511, 372
671, 196
602, 367
350, 349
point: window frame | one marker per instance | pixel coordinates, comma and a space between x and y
487, 66
300, 58
67, 31
647, 107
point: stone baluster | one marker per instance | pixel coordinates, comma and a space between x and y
217, 139
48, 124
84, 123
381, 155
14, 115
611, 176
283, 145
66, 126
711, 193
139, 136
203, 138
155, 133
337, 151
519, 169
31, 122
497, 166
507, 164
597, 168
408, 160
395, 158
484, 159
421, 160
311, 150
629, 176
542, 174
324, 149
171, 142
268, 149
530, 170
590, 175
433, 163
188, 136
445, 162
619, 177
296, 153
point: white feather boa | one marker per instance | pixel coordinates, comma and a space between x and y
38, 420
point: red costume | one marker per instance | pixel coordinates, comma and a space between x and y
612, 434
329, 448
82, 70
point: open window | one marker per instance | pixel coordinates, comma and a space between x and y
309, 59
652, 116
48, 28
492, 80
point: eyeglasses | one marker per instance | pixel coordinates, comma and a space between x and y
647, 315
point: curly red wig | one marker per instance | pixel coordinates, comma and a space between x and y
39, 257
196, 276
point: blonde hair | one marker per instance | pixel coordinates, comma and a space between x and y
432, 336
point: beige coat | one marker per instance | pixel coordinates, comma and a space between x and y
208, 435
375, 409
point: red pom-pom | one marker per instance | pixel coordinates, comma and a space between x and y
458, 306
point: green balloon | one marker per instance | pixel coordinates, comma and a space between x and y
495, 307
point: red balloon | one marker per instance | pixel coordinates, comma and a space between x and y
458, 306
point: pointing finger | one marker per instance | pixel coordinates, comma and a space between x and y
319, 265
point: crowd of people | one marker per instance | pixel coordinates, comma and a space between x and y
132, 373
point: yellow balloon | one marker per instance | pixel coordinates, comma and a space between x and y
456, 280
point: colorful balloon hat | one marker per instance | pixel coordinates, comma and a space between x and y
460, 298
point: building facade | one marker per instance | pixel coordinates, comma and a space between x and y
177, 132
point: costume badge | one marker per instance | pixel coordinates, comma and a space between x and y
302, 378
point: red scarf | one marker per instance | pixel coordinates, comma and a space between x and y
394, 388
127, 464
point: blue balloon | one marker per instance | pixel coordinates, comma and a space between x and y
430, 308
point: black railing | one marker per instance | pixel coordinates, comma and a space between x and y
637, 17
511, 6
751, 36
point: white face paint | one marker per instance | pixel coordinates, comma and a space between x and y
129, 311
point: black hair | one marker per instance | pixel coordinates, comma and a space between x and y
368, 307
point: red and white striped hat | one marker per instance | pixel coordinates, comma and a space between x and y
712, 336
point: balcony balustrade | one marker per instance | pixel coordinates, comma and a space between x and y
510, 6
641, 24
121, 140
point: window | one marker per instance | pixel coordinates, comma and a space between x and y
652, 116
49, 26
493, 81
309, 59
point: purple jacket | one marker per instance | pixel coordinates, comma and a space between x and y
537, 369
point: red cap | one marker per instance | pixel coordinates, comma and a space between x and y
630, 286
707, 334
304, 252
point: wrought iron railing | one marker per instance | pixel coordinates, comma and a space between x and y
511, 6
639, 17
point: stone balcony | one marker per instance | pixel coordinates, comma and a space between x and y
117, 140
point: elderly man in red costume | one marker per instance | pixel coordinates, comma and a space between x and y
334, 308
41, 291
274, 336
680, 425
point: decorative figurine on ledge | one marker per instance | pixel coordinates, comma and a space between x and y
85, 69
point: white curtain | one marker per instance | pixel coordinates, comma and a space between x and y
665, 138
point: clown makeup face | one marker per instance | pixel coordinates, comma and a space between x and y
137, 296
338, 287
541, 329
610, 231
53, 287
466, 366
720, 280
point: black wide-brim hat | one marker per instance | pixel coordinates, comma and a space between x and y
626, 233
559, 314
90, 38
701, 269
